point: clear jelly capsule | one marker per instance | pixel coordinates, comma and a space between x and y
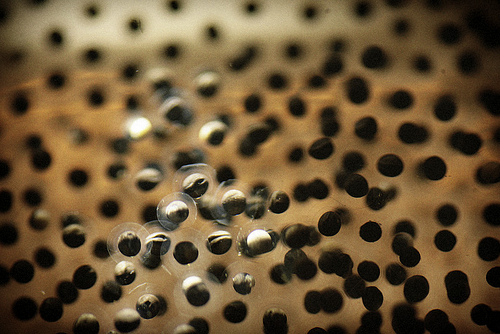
126, 241
195, 180
176, 209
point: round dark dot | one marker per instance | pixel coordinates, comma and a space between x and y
329, 223
353, 162
95, 98
217, 273
305, 269
310, 12
84, 277
275, 321
56, 38
363, 8
491, 214
41, 159
356, 185
449, 34
280, 274
366, 128
488, 173
318, 189
200, 325
434, 168
116, 171
135, 25
92, 55
493, 320
312, 302
20, 104
277, 81
78, 177
371, 320
251, 7
171, 51
86, 324
109, 208
480, 314
32, 197
409, 257
296, 106
333, 65
22, 271
331, 300
416, 289
279, 202
225, 173
4, 275
436, 321
490, 100
447, 214
445, 240
51, 309
395, 274
130, 72
321, 148
369, 271
34, 141
296, 236
467, 143
457, 287
92, 11
101, 249
56, 81
357, 90
401, 27
212, 32
253, 103
376, 198
335, 262
45, 258
296, 155
235, 312
374, 57
405, 226
111, 291
372, 298
468, 63
74, 235
370, 231
8, 232
67, 292
293, 51
24, 308
390, 165
493, 277
411, 133
422, 64
185, 252
445, 108
488, 249
316, 82
354, 286
401, 99
4, 169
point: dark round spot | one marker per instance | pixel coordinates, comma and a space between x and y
488, 173
225, 173
422, 64
185, 252
100, 249
366, 128
493, 277
321, 148
467, 143
95, 98
4, 275
279, 202
51, 309
296, 236
116, 171
305, 269
395, 274
41, 159
411, 133
317, 189
435, 321
335, 262
401, 100
109, 208
401, 27
488, 249
74, 235
447, 214
78, 177
45, 258
404, 320
32, 197
316, 82
370, 231
235, 312
369, 271
371, 320
67, 292
491, 214
445, 240
445, 108
409, 257
480, 314
468, 63
86, 324
372, 298
8, 232
310, 12
293, 51
354, 286
22, 271
84, 277
280, 274
253, 103
493, 320
405, 226
20, 104
490, 100
120, 145
217, 273
34, 141
24, 308
401, 242
212, 32
275, 321
416, 289
329, 223
135, 25
92, 55
353, 162
200, 325
277, 81
333, 65
356, 185
390, 165
92, 11
357, 90
56, 38
312, 302
374, 57
331, 300
296, 106
171, 51
111, 291
434, 168
449, 34
457, 287
4, 169
56, 81
296, 155
363, 8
